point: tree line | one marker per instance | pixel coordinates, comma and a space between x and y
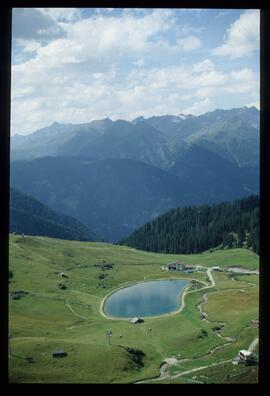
199, 228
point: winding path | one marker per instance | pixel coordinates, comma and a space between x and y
75, 313
253, 345
164, 367
167, 376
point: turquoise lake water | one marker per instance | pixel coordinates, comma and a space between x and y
151, 298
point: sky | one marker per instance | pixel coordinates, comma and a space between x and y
72, 65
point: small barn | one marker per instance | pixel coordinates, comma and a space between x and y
16, 295
136, 320
59, 354
63, 275
172, 267
176, 266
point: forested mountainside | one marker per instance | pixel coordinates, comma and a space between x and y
199, 228
30, 217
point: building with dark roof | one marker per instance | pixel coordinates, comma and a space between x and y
58, 354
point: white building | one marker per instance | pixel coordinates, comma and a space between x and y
246, 356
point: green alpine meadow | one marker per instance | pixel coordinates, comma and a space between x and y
47, 317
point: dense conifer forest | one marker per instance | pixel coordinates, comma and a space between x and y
199, 228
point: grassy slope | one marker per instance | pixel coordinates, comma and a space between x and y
42, 322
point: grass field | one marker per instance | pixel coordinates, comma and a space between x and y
49, 318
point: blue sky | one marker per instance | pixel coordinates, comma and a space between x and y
74, 65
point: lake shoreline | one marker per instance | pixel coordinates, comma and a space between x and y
182, 294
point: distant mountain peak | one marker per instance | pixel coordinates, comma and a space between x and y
101, 121
55, 123
183, 116
17, 136
250, 107
138, 119
253, 108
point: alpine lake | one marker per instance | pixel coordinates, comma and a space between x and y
145, 299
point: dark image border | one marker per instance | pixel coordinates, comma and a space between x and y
5, 95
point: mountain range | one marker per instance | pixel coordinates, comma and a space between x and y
116, 175
233, 134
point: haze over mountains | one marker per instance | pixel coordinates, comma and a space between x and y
115, 176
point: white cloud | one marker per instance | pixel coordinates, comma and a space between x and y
29, 45
189, 43
199, 107
139, 62
103, 40
188, 29
243, 36
116, 66
66, 95
243, 81
242, 75
204, 66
